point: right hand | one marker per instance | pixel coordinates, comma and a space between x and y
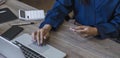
42, 34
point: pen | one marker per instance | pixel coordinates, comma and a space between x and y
2, 11
22, 24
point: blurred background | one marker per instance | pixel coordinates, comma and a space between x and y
40, 4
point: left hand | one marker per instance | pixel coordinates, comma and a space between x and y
85, 30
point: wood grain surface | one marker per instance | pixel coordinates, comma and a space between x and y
74, 45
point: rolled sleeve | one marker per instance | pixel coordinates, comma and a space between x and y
107, 30
112, 28
57, 14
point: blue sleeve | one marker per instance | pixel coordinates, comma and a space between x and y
112, 28
57, 14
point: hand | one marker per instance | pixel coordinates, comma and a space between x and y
85, 30
42, 34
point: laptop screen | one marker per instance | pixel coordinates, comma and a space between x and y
9, 50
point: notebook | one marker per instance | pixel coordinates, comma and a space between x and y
6, 15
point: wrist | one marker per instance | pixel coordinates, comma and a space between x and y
96, 31
47, 27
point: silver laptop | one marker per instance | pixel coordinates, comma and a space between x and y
46, 51
9, 50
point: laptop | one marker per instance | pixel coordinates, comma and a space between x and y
9, 50
24, 47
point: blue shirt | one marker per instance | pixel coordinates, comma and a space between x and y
102, 14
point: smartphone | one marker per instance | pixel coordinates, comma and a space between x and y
12, 32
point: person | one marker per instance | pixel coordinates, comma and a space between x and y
99, 18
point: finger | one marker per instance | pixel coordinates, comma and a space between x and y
34, 36
41, 37
80, 27
85, 35
46, 36
38, 37
82, 31
72, 29
46, 39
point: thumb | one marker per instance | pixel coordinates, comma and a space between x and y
82, 30
80, 27
46, 35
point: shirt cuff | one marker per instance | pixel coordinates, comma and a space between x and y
107, 30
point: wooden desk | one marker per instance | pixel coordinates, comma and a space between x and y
65, 40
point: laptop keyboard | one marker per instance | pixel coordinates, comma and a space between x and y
28, 53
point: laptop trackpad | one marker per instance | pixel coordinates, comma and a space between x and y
38, 48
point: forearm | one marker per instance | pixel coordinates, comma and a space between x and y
107, 30
56, 15
47, 27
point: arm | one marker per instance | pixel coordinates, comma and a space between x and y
53, 19
57, 14
112, 28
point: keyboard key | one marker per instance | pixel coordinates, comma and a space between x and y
28, 52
